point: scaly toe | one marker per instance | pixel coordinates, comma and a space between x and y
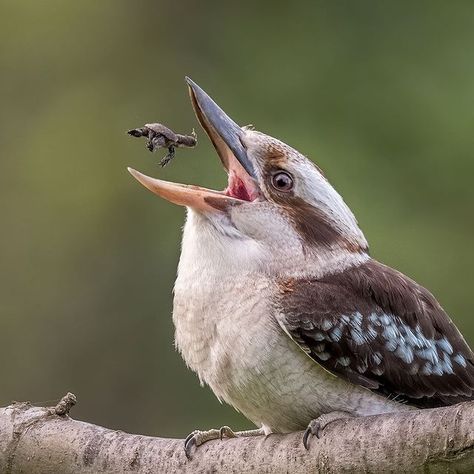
226, 432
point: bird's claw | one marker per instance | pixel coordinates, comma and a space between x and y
196, 438
190, 443
314, 429
316, 426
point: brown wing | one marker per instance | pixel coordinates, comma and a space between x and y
377, 328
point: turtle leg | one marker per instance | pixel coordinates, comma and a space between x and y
168, 157
149, 144
157, 141
137, 132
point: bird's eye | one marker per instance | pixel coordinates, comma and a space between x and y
282, 181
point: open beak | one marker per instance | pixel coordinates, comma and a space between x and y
226, 137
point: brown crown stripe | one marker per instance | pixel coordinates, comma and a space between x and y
276, 159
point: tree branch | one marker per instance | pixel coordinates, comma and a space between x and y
44, 440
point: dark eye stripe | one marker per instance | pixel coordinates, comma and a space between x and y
314, 227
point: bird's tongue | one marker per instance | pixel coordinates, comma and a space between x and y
241, 188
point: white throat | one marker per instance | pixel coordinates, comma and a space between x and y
212, 249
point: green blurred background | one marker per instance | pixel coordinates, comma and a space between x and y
380, 94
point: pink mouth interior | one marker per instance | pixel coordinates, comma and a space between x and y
239, 189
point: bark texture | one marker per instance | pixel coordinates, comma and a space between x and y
47, 440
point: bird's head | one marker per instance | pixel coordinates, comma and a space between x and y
278, 206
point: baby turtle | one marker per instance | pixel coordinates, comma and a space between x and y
160, 136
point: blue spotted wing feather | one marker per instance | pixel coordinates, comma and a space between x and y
377, 328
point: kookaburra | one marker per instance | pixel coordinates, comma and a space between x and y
278, 306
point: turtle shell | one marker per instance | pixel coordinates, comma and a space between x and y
160, 129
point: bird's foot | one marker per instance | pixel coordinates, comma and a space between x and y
197, 437
316, 426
